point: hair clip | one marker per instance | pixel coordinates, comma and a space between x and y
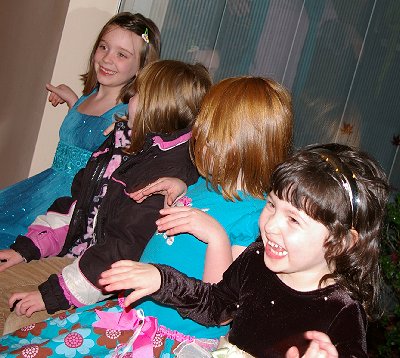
145, 36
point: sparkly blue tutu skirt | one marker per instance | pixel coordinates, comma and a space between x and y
22, 202
80, 135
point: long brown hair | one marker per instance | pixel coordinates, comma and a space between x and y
150, 52
170, 94
244, 129
312, 184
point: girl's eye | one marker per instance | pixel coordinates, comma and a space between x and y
270, 204
122, 55
103, 47
293, 220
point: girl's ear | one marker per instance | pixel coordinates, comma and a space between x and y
346, 242
353, 237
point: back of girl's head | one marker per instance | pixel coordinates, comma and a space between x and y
346, 190
149, 52
170, 95
243, 131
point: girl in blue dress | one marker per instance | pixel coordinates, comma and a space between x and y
124, 45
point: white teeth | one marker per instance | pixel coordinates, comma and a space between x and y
280, 250
109, 72
273, 244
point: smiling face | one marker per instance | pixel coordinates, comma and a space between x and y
117, 57
293, 244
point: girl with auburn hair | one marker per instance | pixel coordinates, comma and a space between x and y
126, 43
243, 130
82, 235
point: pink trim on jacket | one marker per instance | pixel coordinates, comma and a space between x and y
163, 145
67, 293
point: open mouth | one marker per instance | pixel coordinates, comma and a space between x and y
274, 249
107, 72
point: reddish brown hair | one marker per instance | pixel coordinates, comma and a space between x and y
244, 129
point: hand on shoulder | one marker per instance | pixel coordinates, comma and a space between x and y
171, 188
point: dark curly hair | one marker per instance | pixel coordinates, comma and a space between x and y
314, 185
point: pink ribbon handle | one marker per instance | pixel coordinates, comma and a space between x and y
145, 329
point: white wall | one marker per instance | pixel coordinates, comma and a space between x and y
84, 20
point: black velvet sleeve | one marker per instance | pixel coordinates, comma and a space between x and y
348, 331
205, 303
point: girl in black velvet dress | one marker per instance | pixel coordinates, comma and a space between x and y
310, 285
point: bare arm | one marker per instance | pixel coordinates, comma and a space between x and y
61, 94
206, 229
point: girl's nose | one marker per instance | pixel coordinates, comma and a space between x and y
107, 57
273, 222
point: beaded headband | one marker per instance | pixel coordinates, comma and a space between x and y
346, 177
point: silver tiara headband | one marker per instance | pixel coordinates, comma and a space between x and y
346, 178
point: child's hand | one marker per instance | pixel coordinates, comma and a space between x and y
320, 346
29, 302
172, 188
144, 279
61, 94
9, 258
190, 220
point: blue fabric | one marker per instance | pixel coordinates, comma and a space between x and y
187, 254
80, 135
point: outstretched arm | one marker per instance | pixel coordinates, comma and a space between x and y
207, 304
61, 94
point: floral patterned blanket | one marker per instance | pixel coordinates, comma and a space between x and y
70, 334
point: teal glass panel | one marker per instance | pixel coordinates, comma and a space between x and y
339, 58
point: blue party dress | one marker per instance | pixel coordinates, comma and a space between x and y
80, 134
